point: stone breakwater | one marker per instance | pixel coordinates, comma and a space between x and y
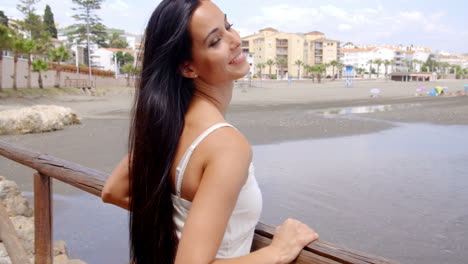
21, 215
36, 119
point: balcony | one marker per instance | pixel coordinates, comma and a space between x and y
282, 51
318, 53
245, 43
281, 43
319, 45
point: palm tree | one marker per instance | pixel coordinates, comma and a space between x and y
39, 66
270, 63
320, 69
333, 63
378, 62
130, 70
17, 47
281, 62
260, 66
58, 55
5, 42
340, 67
386, 64
370, 68
29, 48
298, 63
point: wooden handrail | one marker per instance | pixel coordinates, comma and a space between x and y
92, 181
10, 238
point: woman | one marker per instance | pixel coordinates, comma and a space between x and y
194, 198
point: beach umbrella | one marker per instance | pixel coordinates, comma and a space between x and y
375, 91
439, 89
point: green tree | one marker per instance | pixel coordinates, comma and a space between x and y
130, 70
18, 48
5, 43
386, 64
281, 62
370, 68
30, 48
124, 58
340, 67
378, 62
32, 22
260, 66
88, 28
49, 23
59, 55
40, 66
117, 42
298, 63
3, 19
270, 63
333, 63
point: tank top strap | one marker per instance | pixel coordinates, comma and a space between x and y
180, 170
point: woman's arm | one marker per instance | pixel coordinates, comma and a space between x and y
225, 173
116, 189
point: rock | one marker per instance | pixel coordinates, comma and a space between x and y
3, 252
24, 227
14, 201
75, 261
5, 260
21, 215
60, 247
61, 259
36, 119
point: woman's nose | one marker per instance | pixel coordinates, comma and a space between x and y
235, 40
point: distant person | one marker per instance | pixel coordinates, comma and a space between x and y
189, 180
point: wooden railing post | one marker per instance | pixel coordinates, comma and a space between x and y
43, 219
10, 239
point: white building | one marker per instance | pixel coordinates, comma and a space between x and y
361, 58
400, 58
104, 58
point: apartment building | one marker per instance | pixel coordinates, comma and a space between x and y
311, 48
362, 57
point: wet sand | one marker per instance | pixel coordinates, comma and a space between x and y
268, 113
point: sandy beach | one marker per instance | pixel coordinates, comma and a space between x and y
268, 113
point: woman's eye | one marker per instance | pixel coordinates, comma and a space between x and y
214, 42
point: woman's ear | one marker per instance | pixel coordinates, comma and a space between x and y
187, 71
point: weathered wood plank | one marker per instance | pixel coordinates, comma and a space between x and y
43, 219
328, 250
92, 181
10, 239
83, 178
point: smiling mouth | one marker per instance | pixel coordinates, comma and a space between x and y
237, 59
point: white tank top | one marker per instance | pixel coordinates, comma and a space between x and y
239, 233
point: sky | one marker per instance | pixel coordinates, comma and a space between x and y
438, 25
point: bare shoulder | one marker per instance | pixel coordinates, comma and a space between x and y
227, 143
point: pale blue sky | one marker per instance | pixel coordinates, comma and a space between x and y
438, 25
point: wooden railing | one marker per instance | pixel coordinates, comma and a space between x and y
80, 83
92, 181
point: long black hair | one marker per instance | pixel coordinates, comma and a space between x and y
161, 102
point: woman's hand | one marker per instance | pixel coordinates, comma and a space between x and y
290, 238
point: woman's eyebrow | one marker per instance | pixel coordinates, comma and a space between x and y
214, 30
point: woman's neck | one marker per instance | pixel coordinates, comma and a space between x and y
218, 96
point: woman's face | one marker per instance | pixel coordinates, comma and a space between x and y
217, 55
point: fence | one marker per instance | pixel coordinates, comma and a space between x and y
92, 181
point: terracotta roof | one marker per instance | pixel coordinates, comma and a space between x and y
122, 50
268, 29
56, 40
356, 50
325, 39
315, 33
411, 52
